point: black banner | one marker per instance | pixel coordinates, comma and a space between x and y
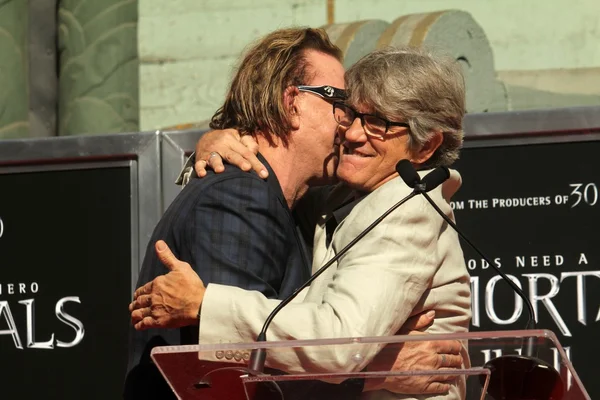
534, 210
65, 282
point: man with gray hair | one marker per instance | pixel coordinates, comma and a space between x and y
402, 104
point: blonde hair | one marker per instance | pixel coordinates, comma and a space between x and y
254, 102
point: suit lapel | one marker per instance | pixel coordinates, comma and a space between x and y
339, 196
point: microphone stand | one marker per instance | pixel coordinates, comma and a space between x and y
530, 345
513, 377
258, 356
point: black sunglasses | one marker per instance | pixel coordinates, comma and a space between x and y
327, 92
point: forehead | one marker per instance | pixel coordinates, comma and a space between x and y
325, 69
362, 107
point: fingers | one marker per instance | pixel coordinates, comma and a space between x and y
415, 384
147, 323
250, 143
141, 302
448, 353
210, 148
418, 322
446, 346
146, 289
166, 256
227, 145
144, 315
437, 388
252, 147
200, 167
139, 314
450, 361
215, 162
240, 155
217, 140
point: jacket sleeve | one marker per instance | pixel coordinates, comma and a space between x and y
376, 286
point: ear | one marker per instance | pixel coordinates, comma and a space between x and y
290, 102
434, 142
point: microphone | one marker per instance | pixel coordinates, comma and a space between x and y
435, 178
407, 172
258, 356
513, 377
409, 175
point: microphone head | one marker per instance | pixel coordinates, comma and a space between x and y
435, 178
515, 377
408, 173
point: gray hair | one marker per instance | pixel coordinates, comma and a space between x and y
412, 85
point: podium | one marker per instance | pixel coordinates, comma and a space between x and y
337, 369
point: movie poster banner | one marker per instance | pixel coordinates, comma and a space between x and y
65, 282
534, 210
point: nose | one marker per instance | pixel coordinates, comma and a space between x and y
355, 132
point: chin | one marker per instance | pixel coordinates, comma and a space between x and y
345, 174
353, 181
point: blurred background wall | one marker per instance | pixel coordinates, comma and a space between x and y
188, 47
14, 121
68, 67
84, 67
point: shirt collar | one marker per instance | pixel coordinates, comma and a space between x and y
272, 181
346, 207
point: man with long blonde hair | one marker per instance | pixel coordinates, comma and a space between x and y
236, 228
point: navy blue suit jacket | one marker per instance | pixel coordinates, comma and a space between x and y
233, 228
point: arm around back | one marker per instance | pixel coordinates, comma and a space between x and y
371, 292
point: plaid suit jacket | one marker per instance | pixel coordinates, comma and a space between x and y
233, 228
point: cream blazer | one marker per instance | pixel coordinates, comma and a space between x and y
411, 262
